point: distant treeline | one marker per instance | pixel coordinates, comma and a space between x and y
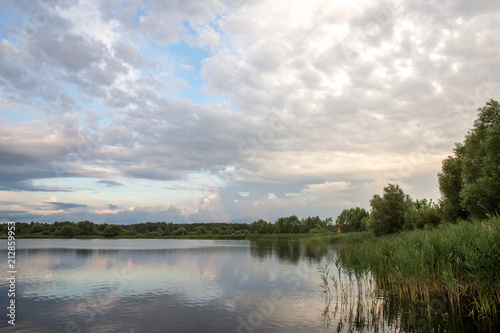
291, 224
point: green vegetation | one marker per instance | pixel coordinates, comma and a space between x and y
353, 219
470, 178
456, 263
86, 229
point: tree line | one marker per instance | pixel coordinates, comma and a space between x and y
291, 224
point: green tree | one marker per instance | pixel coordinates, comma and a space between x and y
296, 227
132, 231
421, 213
470, 180
200, 231
258, 227
180, 231
388, 211
309, 223
284, 225
36, 227
481, 164
351, 219
166, 231
85, 228
112, 230
216, 231
67, 231
451, 184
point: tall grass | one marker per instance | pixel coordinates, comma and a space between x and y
455, 263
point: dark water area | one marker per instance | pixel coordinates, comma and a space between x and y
153, 285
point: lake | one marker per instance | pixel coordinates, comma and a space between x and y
157, 285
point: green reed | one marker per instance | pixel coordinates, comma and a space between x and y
458, 264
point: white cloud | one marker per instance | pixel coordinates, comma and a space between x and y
291, 95
327, 188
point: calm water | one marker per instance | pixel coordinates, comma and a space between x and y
193, 286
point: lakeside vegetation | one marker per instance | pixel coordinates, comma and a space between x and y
457, 264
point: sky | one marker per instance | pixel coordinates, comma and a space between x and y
231, 110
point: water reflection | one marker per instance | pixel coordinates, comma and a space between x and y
353, 302
166, 286
193, 286
290, 252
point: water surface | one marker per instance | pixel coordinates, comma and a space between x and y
156, 285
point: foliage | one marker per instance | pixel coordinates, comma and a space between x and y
388, 211
456, 261
36, 227
67, 231
112, 230
85, 228
166, 231
420, 213
284, 225
259, 227
201, 231
470, 179
352, 219
319, 230
180, 231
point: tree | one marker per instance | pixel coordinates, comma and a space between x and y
258, 227
67, 231
296, 227
131, 230
112, 230
200, 231
388, 211
85, 228
481, 164
284, 225
180, 231
309, 223
36, 227
470, 180
351, 219
166, 231
451, 184
420, 213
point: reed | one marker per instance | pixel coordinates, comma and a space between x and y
455, 263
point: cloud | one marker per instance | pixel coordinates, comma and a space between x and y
27, 185
109, 183
65, 205
326, 188
289, 95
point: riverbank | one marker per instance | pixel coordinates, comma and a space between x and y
344, 238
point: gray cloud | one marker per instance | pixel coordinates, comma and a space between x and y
65, 205
334, 93
109, 183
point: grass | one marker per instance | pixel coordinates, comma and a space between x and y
456, 263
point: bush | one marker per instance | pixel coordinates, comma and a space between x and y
318, 230
180, 232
